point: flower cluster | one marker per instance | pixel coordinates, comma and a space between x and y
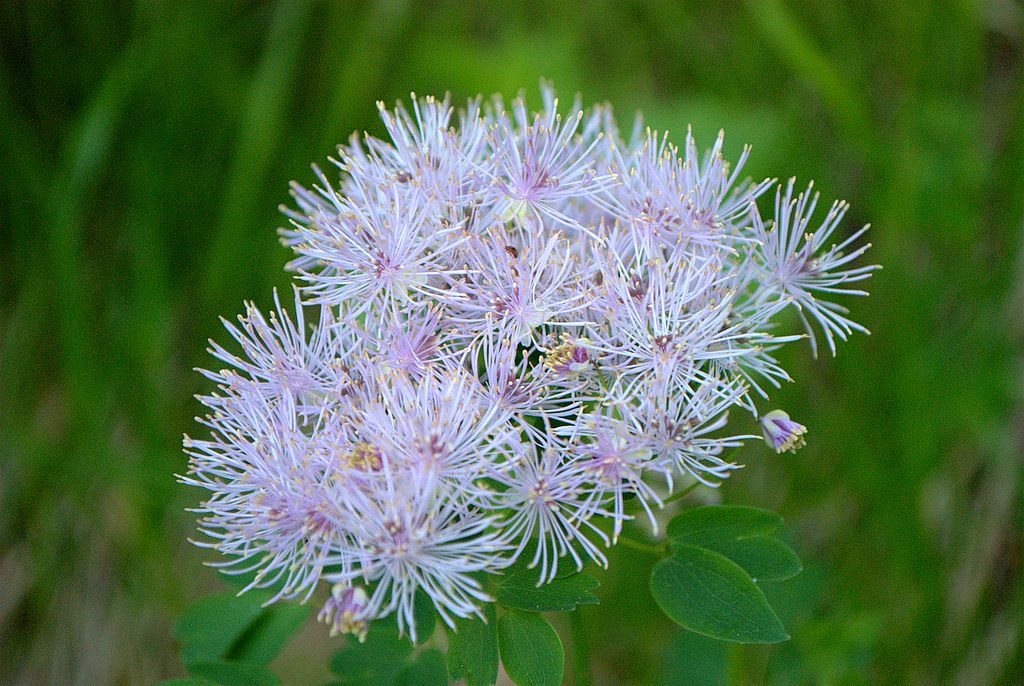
512, 332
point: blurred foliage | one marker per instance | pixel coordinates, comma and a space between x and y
146, 145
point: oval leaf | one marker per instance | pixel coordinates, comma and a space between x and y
210, 626
762, 557
567, 568
473, 649
424, 615
234, 674
264, 639
378, 660
518, 589
530, 649
706, 592
427, 670
716, 522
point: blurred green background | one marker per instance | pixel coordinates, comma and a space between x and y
145, 147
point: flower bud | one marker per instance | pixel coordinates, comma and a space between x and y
571, 357
346, 611
781, 432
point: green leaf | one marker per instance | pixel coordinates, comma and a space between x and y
234, 673
267, 635
716, 522
427, 670
530, 649
522, 563
208, 628
473, 649
705, 592
423, 613
193, 681
378, 660
518, 590
745, 535
763, 557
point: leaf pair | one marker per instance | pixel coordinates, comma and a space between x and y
388, 659
529, 648
517, 589
526, 643
707, 582
228, 640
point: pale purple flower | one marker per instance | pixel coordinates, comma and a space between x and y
616, 455
526, 395
264, 511
525, 330
570, 357
548, 496
798, 270
540, 166
410, 530
414, 344
385, 252
442, 424
682, 426
520, 280
663, 321
280, 355
671, 201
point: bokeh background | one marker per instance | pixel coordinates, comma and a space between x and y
145, 147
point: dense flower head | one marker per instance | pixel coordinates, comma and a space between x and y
512, 332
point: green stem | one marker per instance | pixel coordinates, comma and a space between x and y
600, 379
681, 494
642, 547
